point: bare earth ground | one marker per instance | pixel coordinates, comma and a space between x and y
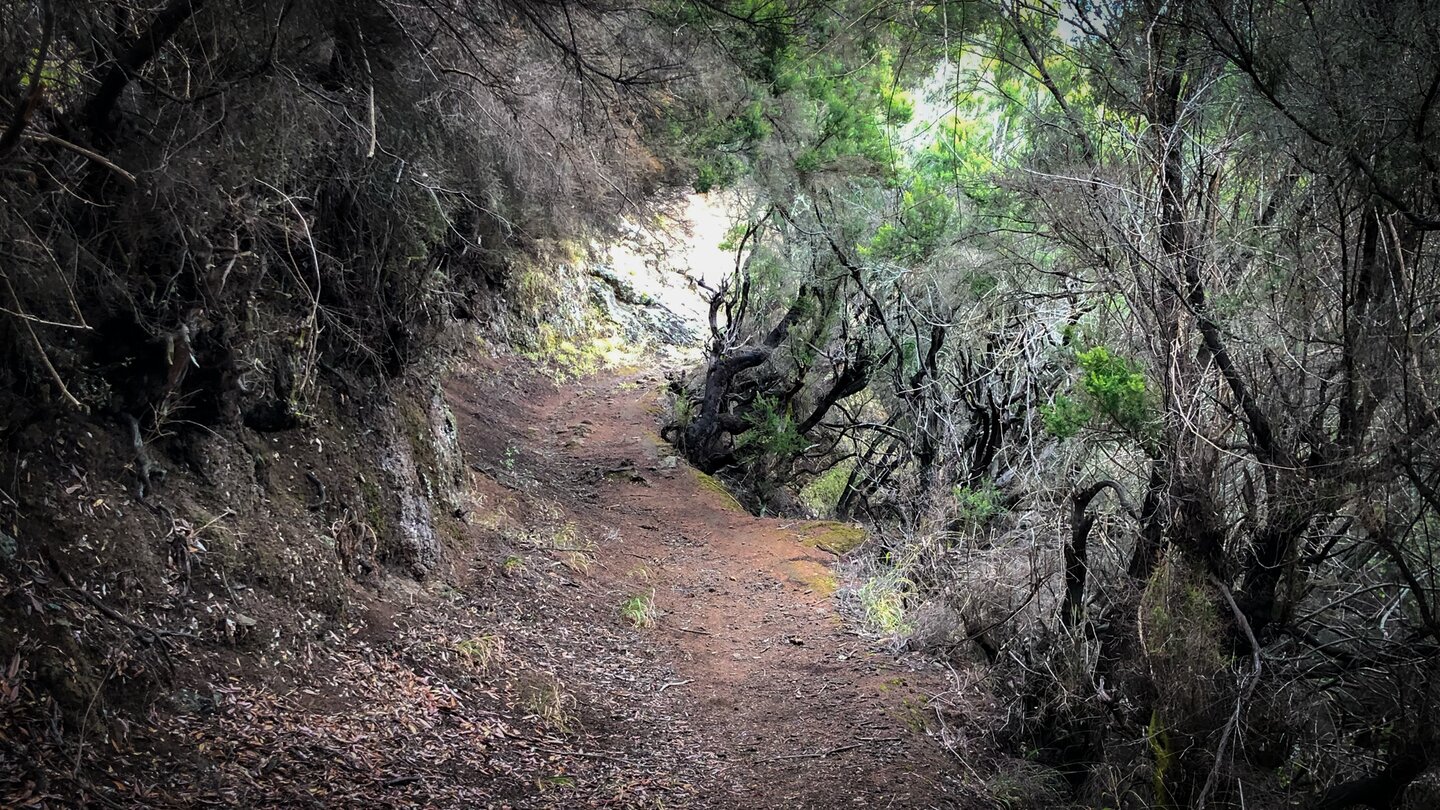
519, 683
763, 694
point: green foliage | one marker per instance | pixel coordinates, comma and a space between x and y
721, 145
899, 106
1164, 754
960, 155
1117, 388
823, 493
852, 109
719, 172
982, 284
1064, 417
639, 610
882, 602
772, 431
734, 235
925, 215
1113, 388
62, 75
978, 505
770, 276
683, 411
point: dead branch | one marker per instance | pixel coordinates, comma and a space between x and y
143, 630
1249, 687
45, 137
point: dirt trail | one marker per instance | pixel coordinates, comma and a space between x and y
514, 680
765, 695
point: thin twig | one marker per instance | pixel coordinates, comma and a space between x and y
314, 319
822, 754
1240, 701
214, 520
42, 321
40, 347
46, 137
374, 130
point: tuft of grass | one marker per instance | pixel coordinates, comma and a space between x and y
513, 566
1023, 785
573, 546
563, 538
497, 519
577, 561
639, 610
482, 651
882, 602
546, 700
568, 537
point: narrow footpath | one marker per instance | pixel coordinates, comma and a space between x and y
613, 631
760, 684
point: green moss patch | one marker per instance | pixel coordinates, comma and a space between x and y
713, 484
836, 538
810, 574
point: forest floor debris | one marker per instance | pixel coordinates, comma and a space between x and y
521, 682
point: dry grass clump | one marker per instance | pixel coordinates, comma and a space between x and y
544, 697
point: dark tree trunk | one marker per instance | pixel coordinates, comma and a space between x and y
1274, 547
1384, 790
98, 109
1152, 527
848, 383
704, 438
1072, 610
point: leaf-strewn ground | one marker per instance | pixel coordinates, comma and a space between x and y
623, 636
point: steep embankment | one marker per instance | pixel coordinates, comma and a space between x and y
526, 681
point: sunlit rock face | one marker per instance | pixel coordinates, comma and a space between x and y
656, 280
